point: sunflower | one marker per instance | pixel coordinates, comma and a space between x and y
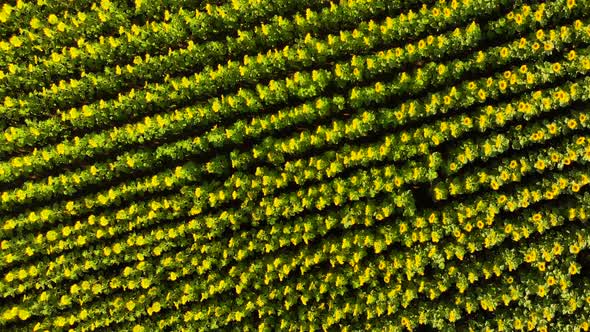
575, 187
547, 46
504, 52
571, 3
571, 55
447, 12
572, 124
481, 94
574, 249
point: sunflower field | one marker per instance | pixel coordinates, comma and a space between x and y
295, 165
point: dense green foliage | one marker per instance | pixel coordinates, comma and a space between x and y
266, 165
